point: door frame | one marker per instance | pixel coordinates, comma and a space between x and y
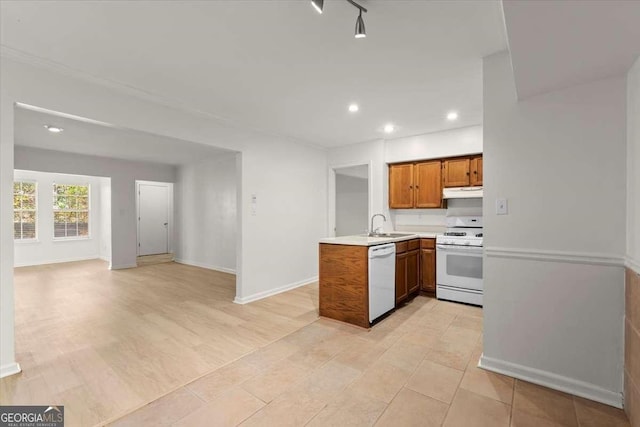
331, 203
170, 214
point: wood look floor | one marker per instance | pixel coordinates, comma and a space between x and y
105, 343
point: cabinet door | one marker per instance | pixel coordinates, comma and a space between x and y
413, 279
401, 277
456, 172
401, 186
428, 270
476, 171
428, 183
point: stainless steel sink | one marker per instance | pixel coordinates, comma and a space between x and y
390, 235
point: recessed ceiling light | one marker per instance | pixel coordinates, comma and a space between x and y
452, 115
318, 5
389, 128
53, 129
353, 108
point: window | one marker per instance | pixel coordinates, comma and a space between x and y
70, 211
24, 210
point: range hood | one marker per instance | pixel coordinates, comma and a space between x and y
462, 193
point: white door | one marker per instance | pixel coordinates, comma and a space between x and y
153, 218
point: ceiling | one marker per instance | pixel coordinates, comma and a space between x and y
278, 66
107, 141
556, 44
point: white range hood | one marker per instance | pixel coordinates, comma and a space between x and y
462, 193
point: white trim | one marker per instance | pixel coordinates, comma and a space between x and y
632, 264
56, 261
553, 381
10, 369
556, 256
271, 292
203, 265
122, 267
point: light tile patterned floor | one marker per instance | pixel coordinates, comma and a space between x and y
167, 339
415, 368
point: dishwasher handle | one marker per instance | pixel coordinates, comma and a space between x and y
382, 250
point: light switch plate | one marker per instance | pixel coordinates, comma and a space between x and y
502, 207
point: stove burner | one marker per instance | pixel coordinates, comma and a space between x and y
455, 233
479, 235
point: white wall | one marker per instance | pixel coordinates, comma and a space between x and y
289, 179
553, 301
105, 219
633, 167
449, 143
206, 211
46, 250
123, 175
352, 205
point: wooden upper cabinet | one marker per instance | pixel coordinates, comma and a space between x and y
456, 172
476, 171
428, 183
401, 186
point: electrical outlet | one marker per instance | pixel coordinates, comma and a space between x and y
502, 207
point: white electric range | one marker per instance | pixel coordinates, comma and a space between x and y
459, 260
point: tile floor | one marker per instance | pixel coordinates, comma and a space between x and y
417, 367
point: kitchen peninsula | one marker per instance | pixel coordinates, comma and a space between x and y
344, 273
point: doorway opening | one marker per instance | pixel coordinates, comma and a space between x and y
352, 194
154, 207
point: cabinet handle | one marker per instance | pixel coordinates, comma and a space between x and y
467, 173
410, 187
417, 187
475, 172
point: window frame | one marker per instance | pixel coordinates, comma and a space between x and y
34, 210
76, 211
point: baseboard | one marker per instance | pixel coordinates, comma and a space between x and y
57, 261
556, 256
10, 369
632, 264
207, 266
122, 266
105, 258
271, 292
553, 381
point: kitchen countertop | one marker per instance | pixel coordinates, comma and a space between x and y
364, 240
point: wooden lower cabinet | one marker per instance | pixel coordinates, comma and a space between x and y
344, 283
407, 270
413, 271
401, 277
428, 265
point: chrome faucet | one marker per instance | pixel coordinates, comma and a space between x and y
375, 215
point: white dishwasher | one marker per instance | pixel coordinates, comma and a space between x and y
382, 280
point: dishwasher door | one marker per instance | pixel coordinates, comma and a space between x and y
382, 280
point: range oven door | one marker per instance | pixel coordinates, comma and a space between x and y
459, 266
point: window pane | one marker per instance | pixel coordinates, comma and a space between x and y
29, 230
16, 187
83, 190
17, 230
28, 188
72, 229
59, 189
28, 202
83, 203
72, 202
16, 202
60, 203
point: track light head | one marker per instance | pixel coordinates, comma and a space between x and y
317, 5
360, 31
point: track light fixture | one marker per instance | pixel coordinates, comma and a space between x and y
360, 31
318, 5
